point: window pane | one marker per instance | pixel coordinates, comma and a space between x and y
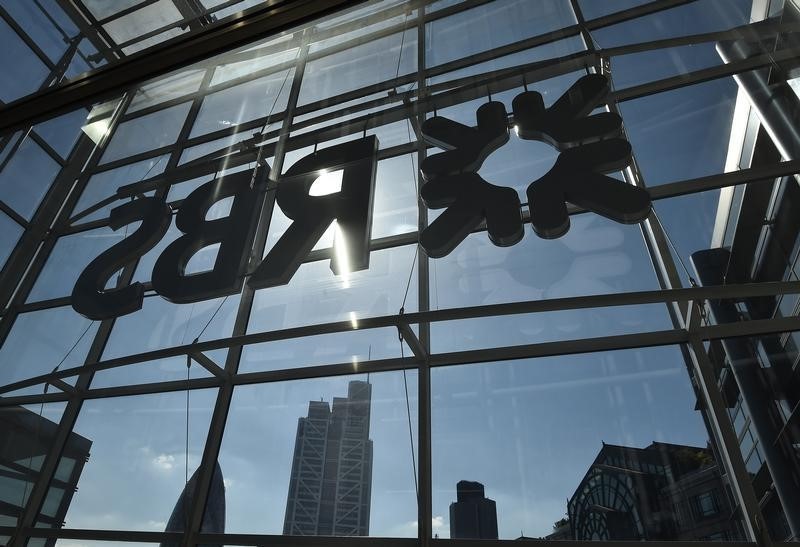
492, 25
627, 445
41, 340
279, 436
27, 434
10, 233
26, 178
24, 71
105, 184
146, 133
139, 464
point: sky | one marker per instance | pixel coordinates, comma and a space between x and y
527, 429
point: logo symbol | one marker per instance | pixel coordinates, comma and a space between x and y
590, 146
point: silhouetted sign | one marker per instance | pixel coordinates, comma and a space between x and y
590, 147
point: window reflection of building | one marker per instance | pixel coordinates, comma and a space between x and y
25, 438
214, 516
661, 492
756, 239
331, 481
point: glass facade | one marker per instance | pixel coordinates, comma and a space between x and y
307, 286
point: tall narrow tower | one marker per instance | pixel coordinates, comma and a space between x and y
473, 516
331, 481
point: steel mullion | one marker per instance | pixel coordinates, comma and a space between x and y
165, 57
424, 399
122, 13
15, 216
520, 351
724, 433
247, 34
89, 27
14, 148
27, 40
75, 402
49, 150
705, 74
192, 170
266, 182
648, 8
658, 296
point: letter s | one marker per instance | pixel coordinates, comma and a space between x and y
88, 296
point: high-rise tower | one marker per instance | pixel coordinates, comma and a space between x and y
331, 481
473, 516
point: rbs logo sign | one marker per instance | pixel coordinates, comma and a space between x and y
591, 146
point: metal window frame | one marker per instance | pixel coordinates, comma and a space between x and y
54, 217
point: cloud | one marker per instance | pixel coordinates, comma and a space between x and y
164, 462
437, 523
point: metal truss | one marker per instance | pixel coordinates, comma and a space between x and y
55, 218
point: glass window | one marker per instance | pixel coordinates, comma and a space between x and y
146, 133
280, 436
681, 134
62, 133
358, 66
36, 21
70, 257
41, 341
492, 25
705, 504
10, 233
316, 295
142, 21
524, 442
242, 103
27, 432
105, 184
138, 466
24, 71
26, 178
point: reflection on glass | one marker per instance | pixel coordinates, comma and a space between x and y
40, 341
162, 324
492, 25
139, 463
291, 448
24, 72
690, 126
242, 103
353, 347
359, 66
146, 133
615, 434
70, 256
26, 177
10, 232
27, 434
316, 295
105, 184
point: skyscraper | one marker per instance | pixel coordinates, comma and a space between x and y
331, 481
473, 516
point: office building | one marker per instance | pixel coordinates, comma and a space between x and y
472, 515
535, 226
25, 437
330, 488
660, 492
